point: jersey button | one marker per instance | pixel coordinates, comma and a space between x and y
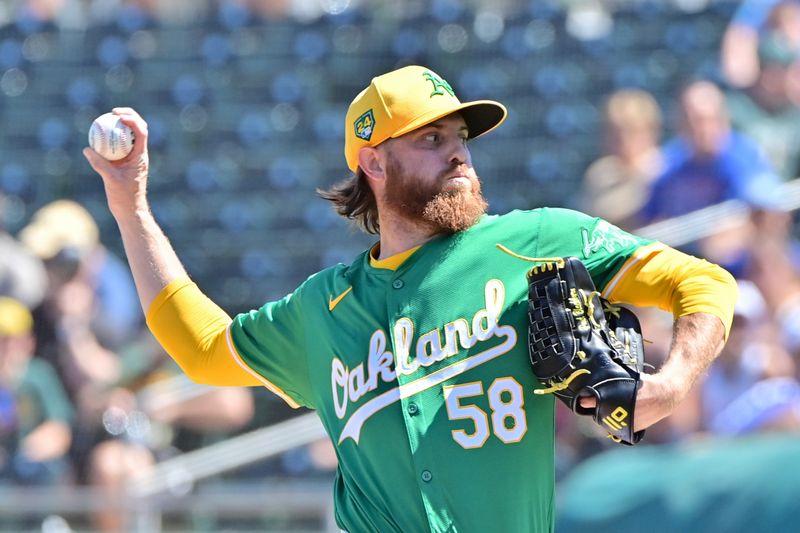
398, 284
413, 409
426, 476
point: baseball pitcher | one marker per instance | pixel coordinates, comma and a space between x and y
417, 355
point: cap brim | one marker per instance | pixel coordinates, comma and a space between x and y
481, 116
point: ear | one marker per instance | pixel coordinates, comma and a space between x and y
371, 161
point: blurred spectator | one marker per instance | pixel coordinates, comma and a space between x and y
775, 274
752, 385
148, 414
45, 10
615, 186
272, 9
739, 52
89, 312
76, 325
22, 275
709, 162
134, 409
65, 236
91, 325
769, 111
35, 414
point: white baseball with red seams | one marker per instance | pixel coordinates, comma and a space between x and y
110, 138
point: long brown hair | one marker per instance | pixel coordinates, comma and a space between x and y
353, 199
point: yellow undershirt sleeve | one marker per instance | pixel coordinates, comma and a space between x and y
660, 276
194, 332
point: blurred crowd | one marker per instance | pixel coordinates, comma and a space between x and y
78, 372
85, 13
736, 138
87, 397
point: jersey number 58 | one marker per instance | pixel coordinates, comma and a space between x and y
506, 402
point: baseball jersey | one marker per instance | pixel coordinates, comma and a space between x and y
421, 376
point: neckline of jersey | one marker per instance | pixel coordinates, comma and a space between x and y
390, 263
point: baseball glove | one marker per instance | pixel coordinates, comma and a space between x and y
581, 346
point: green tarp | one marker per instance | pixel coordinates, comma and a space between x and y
747, 484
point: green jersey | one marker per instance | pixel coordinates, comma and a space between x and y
40, 398
421, 374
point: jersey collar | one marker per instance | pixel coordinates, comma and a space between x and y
390, 263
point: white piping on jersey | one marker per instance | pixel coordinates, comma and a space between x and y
637, 256
262, 379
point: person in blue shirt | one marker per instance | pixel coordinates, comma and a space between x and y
708, 162
739, 52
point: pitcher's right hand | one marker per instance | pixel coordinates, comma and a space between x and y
125, 180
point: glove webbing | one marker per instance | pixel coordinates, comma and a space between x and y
558, 365
548, 338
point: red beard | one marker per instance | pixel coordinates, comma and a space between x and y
443, 208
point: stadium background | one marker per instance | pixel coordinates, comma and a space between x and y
245, 103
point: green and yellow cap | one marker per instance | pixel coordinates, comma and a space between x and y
15, 318
405, 99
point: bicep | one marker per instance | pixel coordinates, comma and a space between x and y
660, 276
194, 332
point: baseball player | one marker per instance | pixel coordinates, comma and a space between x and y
415, 354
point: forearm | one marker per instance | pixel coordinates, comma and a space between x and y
221, 409
697, 340
190, 327
187, 324
701, 297
50, 440
739, 55
153, 261
87, 360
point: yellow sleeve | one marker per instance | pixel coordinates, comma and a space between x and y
194, 332
659, 276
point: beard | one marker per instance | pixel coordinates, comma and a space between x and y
441, 208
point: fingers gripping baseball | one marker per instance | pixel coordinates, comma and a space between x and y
125, 180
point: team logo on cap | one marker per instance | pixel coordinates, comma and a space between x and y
364, 125
439, 85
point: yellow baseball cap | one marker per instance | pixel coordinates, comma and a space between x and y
15, 319
405, 99
60, 224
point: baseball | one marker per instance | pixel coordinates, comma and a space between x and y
110, 138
